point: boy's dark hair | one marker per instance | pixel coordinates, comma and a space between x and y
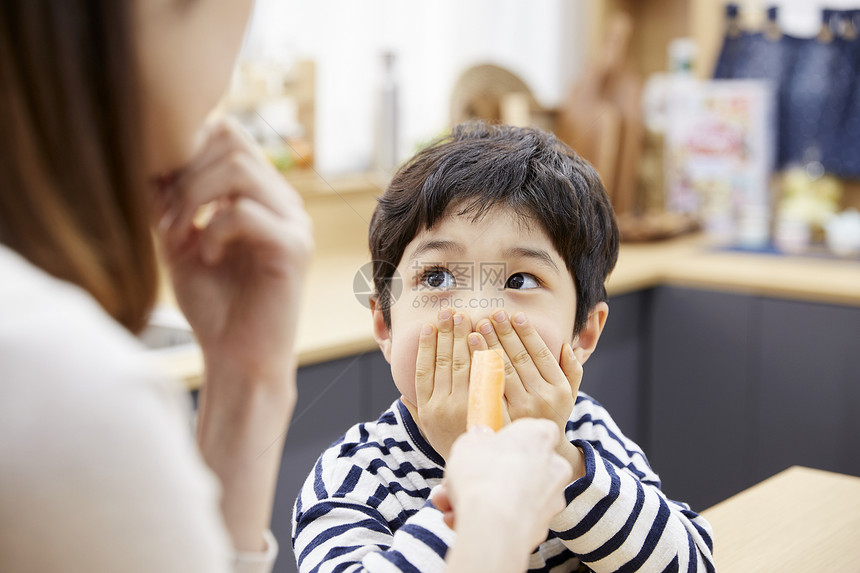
480, 166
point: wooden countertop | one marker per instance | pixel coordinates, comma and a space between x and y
798, 520
690, 261
333, 323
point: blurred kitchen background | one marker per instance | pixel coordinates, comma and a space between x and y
739, 118
728, 136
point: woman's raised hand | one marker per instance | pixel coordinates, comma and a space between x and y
237, 242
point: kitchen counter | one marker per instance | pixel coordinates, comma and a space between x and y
334, 324
691, 262
801, 519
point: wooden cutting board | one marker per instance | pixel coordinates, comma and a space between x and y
602, 117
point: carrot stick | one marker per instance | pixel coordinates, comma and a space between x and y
486, 389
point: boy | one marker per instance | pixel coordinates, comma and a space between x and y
504, 238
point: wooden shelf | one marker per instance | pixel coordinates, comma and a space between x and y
656, 23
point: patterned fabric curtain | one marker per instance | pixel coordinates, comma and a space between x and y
818, 92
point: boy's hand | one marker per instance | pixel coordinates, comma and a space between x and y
442, 377
536, 386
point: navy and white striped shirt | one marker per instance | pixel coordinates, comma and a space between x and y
365, 508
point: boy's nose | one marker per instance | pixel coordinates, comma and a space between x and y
479, 304
480, 314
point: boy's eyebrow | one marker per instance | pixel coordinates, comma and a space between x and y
437, 245
539, 255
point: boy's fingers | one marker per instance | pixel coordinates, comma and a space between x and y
477, 342
462, 357
514, 390
572, 368
520, 358
444, 353
425, 364
537, 350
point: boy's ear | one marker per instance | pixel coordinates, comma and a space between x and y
381, 333
586, 341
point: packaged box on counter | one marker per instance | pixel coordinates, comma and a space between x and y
720, 145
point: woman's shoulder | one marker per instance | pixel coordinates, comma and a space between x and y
91, 427
59, 348
47, 324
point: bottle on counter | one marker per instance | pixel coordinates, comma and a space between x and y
387, 121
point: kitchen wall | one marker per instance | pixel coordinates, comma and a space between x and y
543, 41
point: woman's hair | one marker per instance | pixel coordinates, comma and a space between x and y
73, 196
481, 166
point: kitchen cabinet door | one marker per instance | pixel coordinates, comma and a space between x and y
330, 399
809, 403
699, 415
614, 374
382, 391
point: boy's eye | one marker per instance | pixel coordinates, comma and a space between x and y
522, 281
438, 278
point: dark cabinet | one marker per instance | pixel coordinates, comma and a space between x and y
742, 387
331, 395
381, 389
613, 374
701, 404
809, 397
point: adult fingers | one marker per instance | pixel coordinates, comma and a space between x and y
441, 499
558, 475
532, 433
236, 176
226, 136
218, 137
237, 221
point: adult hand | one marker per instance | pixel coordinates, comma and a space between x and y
501, 490
237, 276
237, 243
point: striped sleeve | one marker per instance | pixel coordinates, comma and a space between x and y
345, 538
617, 518
347, 520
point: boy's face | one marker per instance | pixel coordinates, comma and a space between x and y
500, 261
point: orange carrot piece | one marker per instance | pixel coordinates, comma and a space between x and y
486, 389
